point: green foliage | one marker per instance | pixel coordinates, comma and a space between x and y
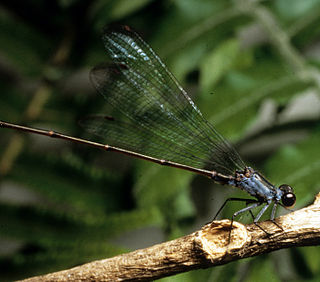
63, 204
216, 65
297, 8
298, 166
26, 47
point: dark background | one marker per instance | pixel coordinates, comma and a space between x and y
252, 67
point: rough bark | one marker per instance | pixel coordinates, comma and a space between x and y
202, 249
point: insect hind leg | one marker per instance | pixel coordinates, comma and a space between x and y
254, 204
272, 217
251, 204
248, 201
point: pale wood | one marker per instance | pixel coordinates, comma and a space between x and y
202, 249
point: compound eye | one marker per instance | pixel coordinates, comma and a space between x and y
288, 198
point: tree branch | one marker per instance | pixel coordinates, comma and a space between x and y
202, 249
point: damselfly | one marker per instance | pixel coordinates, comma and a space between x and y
160, 123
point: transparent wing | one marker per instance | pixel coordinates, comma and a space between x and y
138, 139
161, 120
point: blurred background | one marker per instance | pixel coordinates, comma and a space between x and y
251, 66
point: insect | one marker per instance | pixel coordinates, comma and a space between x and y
160, 123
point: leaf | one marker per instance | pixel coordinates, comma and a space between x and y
25, 48
124, 8
216, 64
297, 165
105, 11
232, 107
262, 267
163, 187
295, 9
187, 60
312, 259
